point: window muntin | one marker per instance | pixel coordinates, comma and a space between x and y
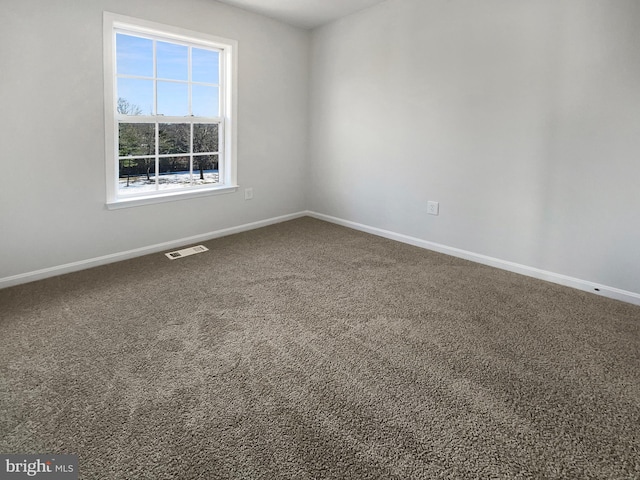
172, 105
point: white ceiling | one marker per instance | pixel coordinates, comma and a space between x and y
303, 13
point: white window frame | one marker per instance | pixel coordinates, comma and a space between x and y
113, 23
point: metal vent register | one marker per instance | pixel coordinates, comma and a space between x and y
185, 252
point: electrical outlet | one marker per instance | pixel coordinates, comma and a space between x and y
248, 193
433, 208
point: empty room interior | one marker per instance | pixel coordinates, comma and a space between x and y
320, 239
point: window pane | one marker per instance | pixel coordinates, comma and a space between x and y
134, 55
174, 172
173, 99
205, 169
174, 138
205, 101
173, 61
205, 137
135, 97
136, 175
136, 139
205, 66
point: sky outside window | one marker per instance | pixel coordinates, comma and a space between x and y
134, 58
205, 66
173, 61
173, 99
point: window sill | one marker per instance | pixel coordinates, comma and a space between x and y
167, 197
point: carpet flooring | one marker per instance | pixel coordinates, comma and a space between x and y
306, 350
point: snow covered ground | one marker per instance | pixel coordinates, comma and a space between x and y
139, 184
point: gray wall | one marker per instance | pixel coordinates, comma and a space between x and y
521, 117
52, 191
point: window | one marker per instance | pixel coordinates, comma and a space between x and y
169, 112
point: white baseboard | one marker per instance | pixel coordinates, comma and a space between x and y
587, 286
137, 252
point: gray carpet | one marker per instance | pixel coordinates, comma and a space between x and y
306, 350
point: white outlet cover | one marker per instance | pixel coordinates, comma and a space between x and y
248, 193
433, 208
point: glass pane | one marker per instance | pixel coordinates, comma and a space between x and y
134, 55
174, 138
135, 97
205, 66
174, 172
205, 137
205, 169
136, 175
205, 101
136, 139
173, 61
173, 99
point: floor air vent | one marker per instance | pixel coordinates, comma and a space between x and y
185, 252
